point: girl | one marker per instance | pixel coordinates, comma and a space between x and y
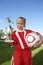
22, 52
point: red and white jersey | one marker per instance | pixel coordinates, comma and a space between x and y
19, 38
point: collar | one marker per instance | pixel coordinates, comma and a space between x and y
20, 30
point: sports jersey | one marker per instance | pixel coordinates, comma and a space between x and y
22, 53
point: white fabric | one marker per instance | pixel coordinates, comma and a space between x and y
12, 63
21, 43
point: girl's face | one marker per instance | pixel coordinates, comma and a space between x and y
20, 24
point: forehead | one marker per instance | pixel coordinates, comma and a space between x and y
19, 20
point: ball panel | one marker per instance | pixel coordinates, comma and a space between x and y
32, 38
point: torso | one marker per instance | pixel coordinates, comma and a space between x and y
19, 39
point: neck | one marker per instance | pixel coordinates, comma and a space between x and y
20, 30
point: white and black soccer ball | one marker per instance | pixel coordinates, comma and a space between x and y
32, 38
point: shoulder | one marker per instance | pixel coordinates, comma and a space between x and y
13, 32
28, 30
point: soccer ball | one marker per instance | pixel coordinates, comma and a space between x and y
32, 38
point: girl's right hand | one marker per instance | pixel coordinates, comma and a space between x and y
7, 39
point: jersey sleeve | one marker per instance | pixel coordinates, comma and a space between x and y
28, 31
13, 38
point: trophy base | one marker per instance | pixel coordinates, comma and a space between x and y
9, 41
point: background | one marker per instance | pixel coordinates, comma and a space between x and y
32, 10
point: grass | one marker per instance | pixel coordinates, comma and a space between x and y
37, 55
6, 54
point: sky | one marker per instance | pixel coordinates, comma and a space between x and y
32, 10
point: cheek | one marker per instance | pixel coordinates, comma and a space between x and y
17, 25
22, 25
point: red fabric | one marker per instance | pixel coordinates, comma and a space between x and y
21, 56
16, 41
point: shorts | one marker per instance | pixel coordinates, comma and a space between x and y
22, 57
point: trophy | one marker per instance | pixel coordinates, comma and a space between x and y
9, 30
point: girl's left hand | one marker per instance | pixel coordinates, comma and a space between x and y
38, 43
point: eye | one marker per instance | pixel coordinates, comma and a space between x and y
18, 23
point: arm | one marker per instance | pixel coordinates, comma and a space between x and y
9, 40
38, 43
